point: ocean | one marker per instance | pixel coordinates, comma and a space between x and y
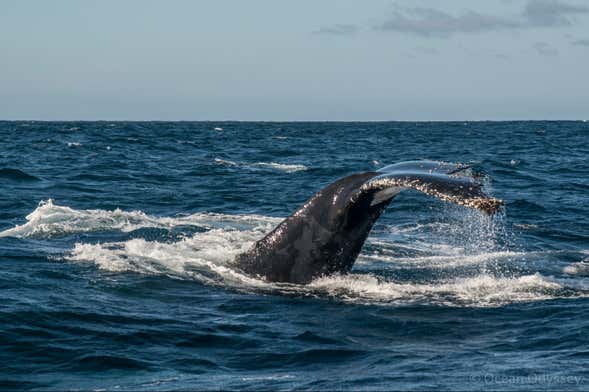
117, 241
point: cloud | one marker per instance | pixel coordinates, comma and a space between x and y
581, 42
338, 29
545, 49
432, 22
551, 13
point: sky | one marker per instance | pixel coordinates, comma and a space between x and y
303, 60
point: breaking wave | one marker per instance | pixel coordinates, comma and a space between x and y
51, 220
288, 168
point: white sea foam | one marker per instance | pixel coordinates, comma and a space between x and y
225, 162
442, 261
580, 268
289, 168
50, 219
207, 257
481, 290
210, 251
281, 166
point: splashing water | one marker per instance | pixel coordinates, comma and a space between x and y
464, 245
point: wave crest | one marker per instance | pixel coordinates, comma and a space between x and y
288, 168
481, 290
52, 220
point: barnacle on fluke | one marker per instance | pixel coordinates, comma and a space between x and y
490, 205
465, 191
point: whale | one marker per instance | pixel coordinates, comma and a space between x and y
326, 234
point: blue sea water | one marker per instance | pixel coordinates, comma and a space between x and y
116, 243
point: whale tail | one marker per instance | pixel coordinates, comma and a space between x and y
326, 234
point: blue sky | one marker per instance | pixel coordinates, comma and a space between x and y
294, 60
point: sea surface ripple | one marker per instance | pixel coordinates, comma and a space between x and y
117, 241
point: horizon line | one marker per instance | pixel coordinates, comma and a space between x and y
295, 121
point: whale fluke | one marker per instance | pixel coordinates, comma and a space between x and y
325, 235
445, 181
